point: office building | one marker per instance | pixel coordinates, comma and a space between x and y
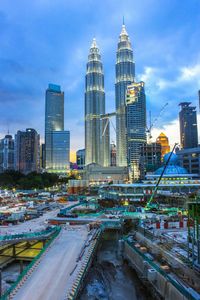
60, 151
27, 151
80, 158
150, 158
113, 152
135, 125
7, 153
163, 140
190, 159
124, 76
57, 140
96, 134
188, 126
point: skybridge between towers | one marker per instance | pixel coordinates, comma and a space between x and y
107, 118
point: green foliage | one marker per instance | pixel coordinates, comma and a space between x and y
14, 179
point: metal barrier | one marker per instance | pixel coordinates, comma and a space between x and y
6, 295
75, 291
27, 235
175, 283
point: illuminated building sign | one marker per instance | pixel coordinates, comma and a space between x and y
133, 92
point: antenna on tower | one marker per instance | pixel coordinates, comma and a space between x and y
123, 21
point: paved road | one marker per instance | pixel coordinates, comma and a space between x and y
50, 280
37, 224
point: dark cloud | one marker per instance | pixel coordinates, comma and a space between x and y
48, 41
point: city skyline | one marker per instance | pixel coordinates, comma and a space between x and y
168, 61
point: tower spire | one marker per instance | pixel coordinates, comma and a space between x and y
123, 21
94, 43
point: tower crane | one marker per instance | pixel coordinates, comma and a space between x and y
151, 124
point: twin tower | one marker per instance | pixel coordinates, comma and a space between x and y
97, 130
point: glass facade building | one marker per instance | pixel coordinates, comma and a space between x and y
60, 151
57, 141
124, 73
7, 153
135, 125
188, 126
80, 158
96, 146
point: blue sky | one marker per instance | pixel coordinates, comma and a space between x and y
45, 41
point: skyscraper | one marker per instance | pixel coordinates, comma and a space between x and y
96, 146
188, 125
56, 139
60, 151
135, 125
163, 140
7, 153
27, 151
125, 73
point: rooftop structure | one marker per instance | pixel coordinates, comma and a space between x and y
173, 167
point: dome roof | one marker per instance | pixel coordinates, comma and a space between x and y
173, 168
173, 158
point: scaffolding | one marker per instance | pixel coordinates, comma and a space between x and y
194, 233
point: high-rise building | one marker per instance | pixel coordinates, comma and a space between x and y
96, 145
7, 153
150, 158
27, 151
113, 153
164, 141
135, 125
190, 159
60, 151
124, 73
188, 126
57, 140
80, 158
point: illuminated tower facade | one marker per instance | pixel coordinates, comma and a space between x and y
164, 141
57, 140
135, 126
96, 135
124, 73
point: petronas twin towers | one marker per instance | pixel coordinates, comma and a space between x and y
97, 142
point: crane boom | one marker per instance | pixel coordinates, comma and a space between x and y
161, 175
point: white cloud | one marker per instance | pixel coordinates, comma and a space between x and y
156, 81
172, 131
190, 74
